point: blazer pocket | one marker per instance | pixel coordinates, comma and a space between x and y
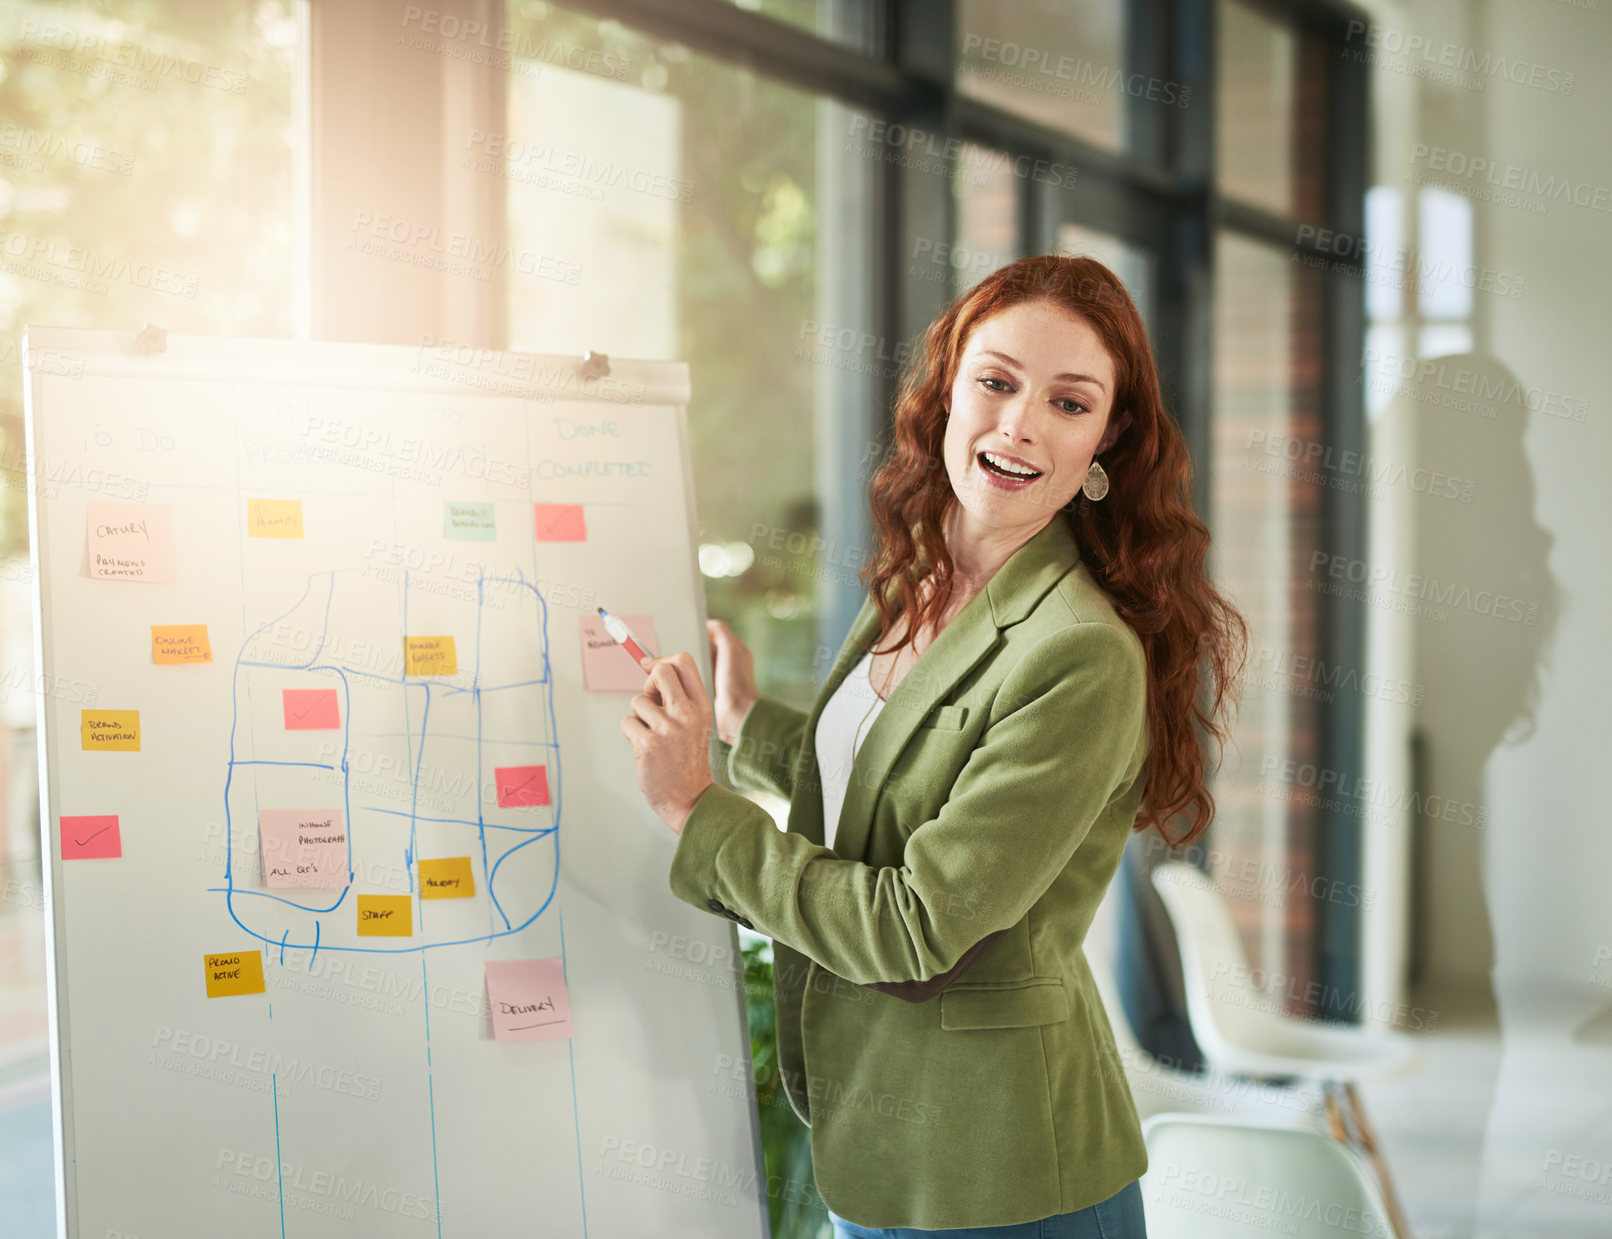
1004, 1004
945, 718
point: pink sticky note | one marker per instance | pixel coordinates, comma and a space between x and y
528, 999
303, 847
606, 666
519, 786
311, 709
91, 838
560, 522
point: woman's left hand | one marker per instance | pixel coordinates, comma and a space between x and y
670, 731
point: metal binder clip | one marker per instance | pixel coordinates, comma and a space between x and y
151, 339
594, 365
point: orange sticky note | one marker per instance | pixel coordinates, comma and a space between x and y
180, 643
385, 916
519, 786
239, 972
560, 522
109, 730
606, 666
91, 838
528, 998
130, 541
449, 878
429, 656
310, 709
274, 518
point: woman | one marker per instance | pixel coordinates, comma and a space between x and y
1023, 687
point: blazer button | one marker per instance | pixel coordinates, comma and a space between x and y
715, 905
745, 921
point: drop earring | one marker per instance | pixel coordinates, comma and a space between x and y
1096, 484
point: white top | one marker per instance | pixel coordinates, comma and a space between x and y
847, 717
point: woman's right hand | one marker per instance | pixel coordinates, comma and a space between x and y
733, 667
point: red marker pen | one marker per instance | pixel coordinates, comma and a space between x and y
623, 636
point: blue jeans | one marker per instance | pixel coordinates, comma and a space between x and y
1118, 1217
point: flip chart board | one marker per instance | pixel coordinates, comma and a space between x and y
359, 923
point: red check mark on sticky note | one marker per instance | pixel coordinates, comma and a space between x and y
519, 786
91, 838
560, 522
311, 709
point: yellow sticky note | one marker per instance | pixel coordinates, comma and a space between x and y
180, 643
239, 972
274, 518
450, 878
385, 916
429, 656
110, 730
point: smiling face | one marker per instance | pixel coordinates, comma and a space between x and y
1028, 409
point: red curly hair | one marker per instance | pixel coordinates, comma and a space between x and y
1142, 543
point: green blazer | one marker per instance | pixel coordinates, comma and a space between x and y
987, 811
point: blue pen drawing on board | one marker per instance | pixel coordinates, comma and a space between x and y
419, 766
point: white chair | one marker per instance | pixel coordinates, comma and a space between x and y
1216, 1178
1243, 1031
1157, 1087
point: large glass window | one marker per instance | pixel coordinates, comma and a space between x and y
1266, 496
715, 216
1132, 263
852, 22
1269, 141
986, 193
1058, 64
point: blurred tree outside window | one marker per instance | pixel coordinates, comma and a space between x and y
146, 175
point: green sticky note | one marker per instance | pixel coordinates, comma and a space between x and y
468, 522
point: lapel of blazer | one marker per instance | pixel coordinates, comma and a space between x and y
1019, 584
